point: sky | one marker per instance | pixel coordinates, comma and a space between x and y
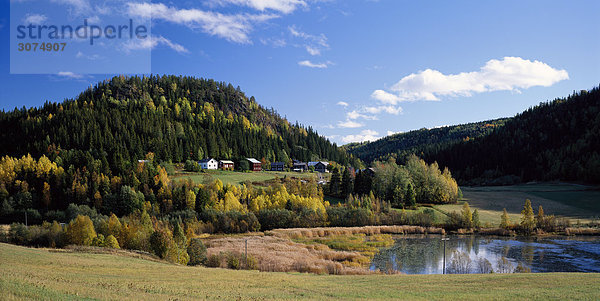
354, 70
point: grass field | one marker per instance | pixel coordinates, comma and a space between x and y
40, 274
234, 177
576, 202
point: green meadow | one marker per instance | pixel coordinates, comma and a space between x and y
28, 273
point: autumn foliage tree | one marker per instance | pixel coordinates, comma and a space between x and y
81, 231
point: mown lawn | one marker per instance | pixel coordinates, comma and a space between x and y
234, 177
576, 202
39, 274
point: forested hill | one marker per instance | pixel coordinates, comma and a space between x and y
418, 141
120, 120
555, 140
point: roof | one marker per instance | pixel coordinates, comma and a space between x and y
226, 161
312, 163
252, 160
205, 160
323, 162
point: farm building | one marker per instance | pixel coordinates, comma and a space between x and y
209, 163
226, 165
300, 166
255, 165
321, 166
277, 166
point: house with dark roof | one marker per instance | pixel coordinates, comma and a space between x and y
321, 166
226, 165
300, 166
277, 166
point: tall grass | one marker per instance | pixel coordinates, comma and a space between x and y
296, 233
278, 254
582, 231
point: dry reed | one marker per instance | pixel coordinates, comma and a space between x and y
582, 231
295, 233
278, 254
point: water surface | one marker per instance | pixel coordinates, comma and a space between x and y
424, 254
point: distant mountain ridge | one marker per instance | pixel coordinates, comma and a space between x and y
555, 140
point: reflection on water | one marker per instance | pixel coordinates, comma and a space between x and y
424, 254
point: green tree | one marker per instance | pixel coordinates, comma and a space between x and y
347, 185
476, 221
527, 218
196, 251
178, 251
410, 198
335, 182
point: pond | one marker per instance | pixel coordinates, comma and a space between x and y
424, 254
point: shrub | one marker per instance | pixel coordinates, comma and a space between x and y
111, 242
197, 252
213, 261
98, 241
233, 261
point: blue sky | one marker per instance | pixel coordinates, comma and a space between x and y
354, 70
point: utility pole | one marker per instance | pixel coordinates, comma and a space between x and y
444, 239
25, 217
246, 253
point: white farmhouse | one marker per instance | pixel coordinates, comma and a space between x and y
209, 163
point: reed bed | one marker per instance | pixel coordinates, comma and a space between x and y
496, 231
582, 231
296, 233
279, 254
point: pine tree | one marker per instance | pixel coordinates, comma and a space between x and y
476, 221
504, 220
410, 198
347, 185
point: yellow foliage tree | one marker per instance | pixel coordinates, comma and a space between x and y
80, 231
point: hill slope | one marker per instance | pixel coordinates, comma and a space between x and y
418, 141
556, 140
177, 118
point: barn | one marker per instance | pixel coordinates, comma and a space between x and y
255, 165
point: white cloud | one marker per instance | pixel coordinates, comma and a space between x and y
234, 28
76, 7
92, 57
313, 44
387, 109
365, 135
389, 133
313, 51
508, 74
310, 64
342, 103
35, 19
349, 124
151, 43
355, 114
283, 6
69, 74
